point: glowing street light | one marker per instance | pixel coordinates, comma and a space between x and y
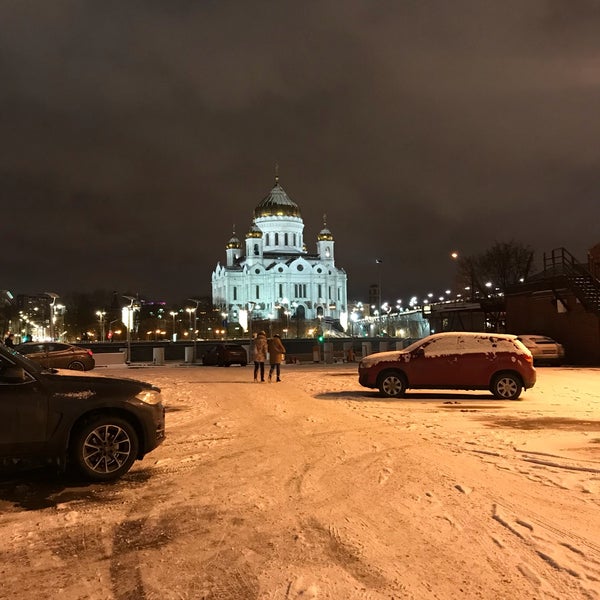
131, 299
224, 322
190, 312
53, 297
197, 302
195, 334
100, 314
174, 315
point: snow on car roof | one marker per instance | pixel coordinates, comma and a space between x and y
439, 344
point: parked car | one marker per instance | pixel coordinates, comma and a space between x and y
453, 360
545, 350
58, 355
100, 425
225, 355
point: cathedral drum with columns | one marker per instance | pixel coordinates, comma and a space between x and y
274, 277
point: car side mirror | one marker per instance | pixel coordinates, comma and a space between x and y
13, 375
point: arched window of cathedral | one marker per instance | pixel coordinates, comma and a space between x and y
268, 244
277, 239
327, 252
294, 239
255, 249
286, 239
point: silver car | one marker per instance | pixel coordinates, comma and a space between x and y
545, 350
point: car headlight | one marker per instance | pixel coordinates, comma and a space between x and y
149, 397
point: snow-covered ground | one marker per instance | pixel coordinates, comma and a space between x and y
317, 488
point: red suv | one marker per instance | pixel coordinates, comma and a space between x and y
453, 360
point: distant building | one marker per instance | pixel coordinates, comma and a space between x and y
39, 316
273, 276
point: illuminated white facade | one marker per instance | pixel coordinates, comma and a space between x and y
274, 275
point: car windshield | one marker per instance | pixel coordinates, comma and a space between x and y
413, 346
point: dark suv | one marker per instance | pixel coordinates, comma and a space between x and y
100, 425
225, 355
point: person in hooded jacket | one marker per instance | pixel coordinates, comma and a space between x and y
259, 355
276, 356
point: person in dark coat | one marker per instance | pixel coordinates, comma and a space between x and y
276, 356
259, 355
9, 341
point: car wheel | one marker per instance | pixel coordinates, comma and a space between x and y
392, 384
76, 365
507, 386
105, 448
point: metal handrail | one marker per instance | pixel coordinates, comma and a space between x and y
561, 262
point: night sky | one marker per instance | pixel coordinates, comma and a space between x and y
134, 135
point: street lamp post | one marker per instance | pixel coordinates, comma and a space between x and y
294, 312
250, 309
173, 314
101, 314
197, 302
110, 331
224, 323
129, 323
469, 262
53, 298
190, 312
379, 262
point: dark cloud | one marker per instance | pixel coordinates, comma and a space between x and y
135, 135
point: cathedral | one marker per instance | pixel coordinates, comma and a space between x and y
273, 276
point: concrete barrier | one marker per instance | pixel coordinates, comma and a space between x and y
110, 359
158, 356
189, 354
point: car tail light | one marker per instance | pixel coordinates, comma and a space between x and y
89, 352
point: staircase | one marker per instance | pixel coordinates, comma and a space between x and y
561, 263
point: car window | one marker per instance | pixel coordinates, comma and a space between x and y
504, 345
441, 346
33, 348
537, 339
54, 347
485, 343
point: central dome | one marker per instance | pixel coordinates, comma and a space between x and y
277, 204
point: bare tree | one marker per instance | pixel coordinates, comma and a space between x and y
504, 264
